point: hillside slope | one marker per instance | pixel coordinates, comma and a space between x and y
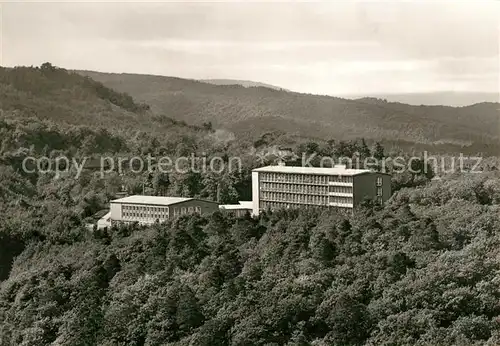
251, 111
66, 98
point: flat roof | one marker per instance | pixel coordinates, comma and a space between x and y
246, 204
243, 205
156, 200
106, 217
100, 214
313, 170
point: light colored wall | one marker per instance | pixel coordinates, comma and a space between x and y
103, 222
206, 208
255, 193
364, 186
116, 211
119, 216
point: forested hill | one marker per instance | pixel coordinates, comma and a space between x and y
251, 111
422, 271
245, 83
65, 98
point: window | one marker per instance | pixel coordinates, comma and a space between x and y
198, 210
183, 210
379, 181
379, 191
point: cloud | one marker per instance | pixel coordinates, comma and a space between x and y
330, 47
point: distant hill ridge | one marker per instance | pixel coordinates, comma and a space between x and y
440, 98
249, 112
245, 83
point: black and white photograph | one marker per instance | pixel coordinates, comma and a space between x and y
250, 173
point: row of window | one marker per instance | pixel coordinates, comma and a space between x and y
139, 215
144, 212
294, 178
304, 199
341, 200
155, 213
294, 198
283, 205
148, 209
307, 189
340, 189
186, 210
274, 205
309, 178
296, 188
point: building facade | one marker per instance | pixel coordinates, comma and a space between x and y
276, 187
151, 209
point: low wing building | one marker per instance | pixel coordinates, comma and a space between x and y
151, 209
240, 209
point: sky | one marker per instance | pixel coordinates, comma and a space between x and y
333, 48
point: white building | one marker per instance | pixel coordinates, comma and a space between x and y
104, 221
150, 209
275, 187
239, 209
99, 220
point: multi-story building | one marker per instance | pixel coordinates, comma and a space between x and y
150, 209
275, 187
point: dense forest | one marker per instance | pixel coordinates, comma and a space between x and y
424, 269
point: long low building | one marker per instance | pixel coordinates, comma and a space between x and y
151, 209
240, 209
99, 220
277, 187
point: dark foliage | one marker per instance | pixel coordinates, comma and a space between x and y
421, 270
